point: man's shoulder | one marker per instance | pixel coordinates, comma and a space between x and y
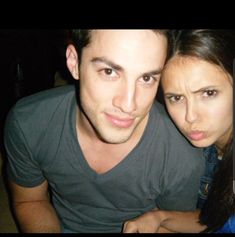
40, 114
169, 132
40, 108
165, 124
50, 95
43, 101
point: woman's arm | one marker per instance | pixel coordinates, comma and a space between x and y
172, 221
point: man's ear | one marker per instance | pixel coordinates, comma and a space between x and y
72, 61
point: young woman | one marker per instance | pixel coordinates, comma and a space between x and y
198, 89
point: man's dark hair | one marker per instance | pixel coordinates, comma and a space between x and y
82, 38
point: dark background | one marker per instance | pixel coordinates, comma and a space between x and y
29, 60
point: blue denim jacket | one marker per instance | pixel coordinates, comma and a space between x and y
229, 226
212, 161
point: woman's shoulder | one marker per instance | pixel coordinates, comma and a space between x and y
229, 226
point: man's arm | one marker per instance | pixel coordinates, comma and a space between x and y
173, 221
33, 209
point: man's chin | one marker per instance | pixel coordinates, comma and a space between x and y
115, 138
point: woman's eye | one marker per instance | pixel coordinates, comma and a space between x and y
210, 93
175, 98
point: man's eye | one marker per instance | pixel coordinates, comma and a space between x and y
108, 71
148, 79
108, 74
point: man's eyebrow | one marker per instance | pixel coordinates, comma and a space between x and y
120, 68
154, 72
107, 62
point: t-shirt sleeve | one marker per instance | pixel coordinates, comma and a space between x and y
181, 194
181, 182
21, 165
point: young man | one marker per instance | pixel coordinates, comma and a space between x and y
108, 156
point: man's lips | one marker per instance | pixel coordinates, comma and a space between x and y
119, 122
196, 135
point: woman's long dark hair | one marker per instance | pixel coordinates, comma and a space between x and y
216, 47
220, 204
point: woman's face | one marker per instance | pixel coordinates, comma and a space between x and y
199, 98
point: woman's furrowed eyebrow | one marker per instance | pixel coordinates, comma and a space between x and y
194, 92
171, 94
204, 89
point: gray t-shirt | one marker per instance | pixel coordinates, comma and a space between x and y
163, 170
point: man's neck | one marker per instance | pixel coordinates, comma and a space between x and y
100, 155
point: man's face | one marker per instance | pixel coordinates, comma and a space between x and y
119, 76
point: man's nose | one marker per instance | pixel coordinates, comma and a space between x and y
125, 99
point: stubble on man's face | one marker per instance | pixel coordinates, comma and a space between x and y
104, 97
